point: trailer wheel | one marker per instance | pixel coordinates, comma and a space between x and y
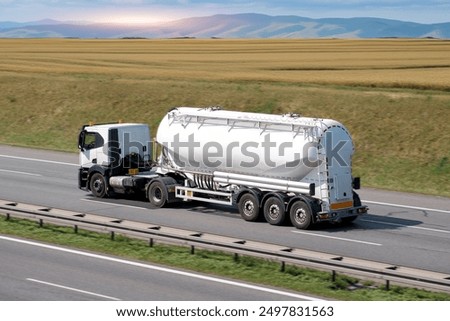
300, 214
274, 211
157, 194
98, 186
249, 207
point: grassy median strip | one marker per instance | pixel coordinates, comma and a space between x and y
244, 268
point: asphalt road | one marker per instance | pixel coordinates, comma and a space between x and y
401, 229
35, 271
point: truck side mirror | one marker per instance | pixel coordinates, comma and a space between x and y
81, 140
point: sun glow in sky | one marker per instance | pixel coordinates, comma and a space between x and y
152, 11
130, 18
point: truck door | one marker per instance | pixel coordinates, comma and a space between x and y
91, 147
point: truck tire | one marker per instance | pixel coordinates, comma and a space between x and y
274, 211
98, 185
249, 207
157, 194
300, 214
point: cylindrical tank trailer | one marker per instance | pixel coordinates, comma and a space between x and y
284, 159
272, 146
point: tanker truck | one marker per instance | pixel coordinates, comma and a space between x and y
278, 168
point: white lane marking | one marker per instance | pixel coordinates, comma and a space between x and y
337, 238
407, 226
113, 204
162, 269
38, 160
73, 289
407, 206
21, 173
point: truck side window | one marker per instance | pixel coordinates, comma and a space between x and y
93, 140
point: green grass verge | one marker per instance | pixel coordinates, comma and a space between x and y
245, 268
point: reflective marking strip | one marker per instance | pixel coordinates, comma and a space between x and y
341, 205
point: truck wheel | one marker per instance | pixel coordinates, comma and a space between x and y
249, 207
274, 211
300, 215
98, 185
157, 194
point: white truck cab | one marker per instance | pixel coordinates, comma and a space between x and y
112, 150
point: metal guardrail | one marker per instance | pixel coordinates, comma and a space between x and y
363, 268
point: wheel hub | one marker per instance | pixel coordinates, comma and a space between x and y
157, 195
248, 207
98, 186
274, 211
300, 216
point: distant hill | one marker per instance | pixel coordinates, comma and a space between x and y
232, 26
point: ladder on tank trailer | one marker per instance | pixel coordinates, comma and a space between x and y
287, 122
322, 176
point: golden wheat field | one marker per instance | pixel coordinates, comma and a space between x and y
390, 62
392, 94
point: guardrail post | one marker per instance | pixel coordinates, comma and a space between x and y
388, 285
333, 276
283, 266
150, 242
112, 235
41, 222
75, 229
236, 257
192, 249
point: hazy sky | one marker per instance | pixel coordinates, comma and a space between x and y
425, 11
